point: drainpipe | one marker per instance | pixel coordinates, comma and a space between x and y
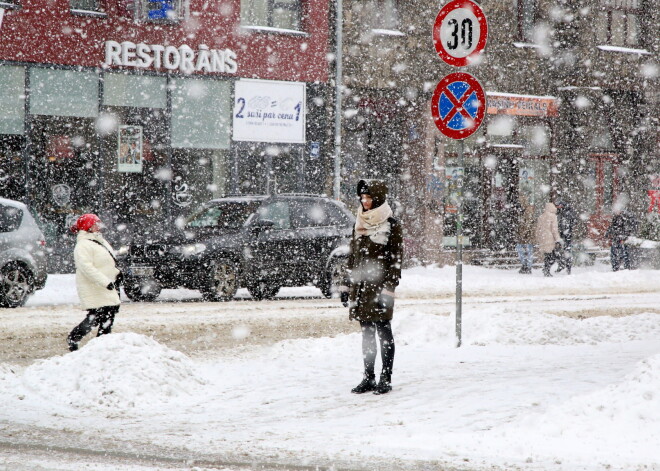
338, 91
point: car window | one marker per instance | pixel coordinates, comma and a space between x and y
10, 218
308, 214
222, 216
336, 217
277, 212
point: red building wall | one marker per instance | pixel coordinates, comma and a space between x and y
45, 31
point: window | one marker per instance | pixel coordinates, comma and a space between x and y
201, 114
10, 218
617, 23
55, 92
526, 20
229, 216
138, 91
308, 214
380, 15
12, 100
278, 213
85, 5
282, 14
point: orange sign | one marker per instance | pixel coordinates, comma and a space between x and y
522, 105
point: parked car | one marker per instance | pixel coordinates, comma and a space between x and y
22, 254
259, 242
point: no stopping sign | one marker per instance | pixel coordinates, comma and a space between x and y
458, 105
460, 32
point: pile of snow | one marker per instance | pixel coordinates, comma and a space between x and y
493, 327
618, 423
119, 371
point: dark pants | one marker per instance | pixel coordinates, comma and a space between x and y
369, 347
565, 259
102, 317
548, 259
620, 254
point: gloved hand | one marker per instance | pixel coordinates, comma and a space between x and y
385, 301
344, 298
110, 286
557, 246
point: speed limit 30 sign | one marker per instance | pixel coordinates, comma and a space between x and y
459, 32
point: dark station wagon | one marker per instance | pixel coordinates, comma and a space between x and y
262, 243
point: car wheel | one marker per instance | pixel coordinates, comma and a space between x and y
223, 283
334, 277
141, 289
263, 290
16, 285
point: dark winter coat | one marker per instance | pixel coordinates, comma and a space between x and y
566, 219
374, 267
623, 226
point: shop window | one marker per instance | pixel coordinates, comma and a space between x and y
139, 91
12, 100
201, 112
617, 23
536, 140
526, 20
86, 5
56, 92
282, 14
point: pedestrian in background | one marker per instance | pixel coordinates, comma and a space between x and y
97, 279
525, 235
566, 219
547, 237
623, 225
374, 270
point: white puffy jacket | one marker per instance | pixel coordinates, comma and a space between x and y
95, 270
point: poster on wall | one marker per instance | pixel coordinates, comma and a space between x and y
129, 149
269, 111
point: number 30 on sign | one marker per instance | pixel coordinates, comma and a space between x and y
459, 32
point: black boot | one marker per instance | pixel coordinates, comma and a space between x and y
367, 384
384, 385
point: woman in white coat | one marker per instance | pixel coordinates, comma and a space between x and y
97, 279
547, 236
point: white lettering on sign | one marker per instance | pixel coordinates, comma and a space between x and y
183, 58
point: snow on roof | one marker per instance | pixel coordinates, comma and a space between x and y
626, 50
516, 95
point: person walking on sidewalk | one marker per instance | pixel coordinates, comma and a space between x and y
525, 236
567, 219
547, 236
97, 279
374, 270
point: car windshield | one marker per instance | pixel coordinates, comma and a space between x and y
226, 216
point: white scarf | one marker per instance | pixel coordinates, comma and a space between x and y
374, 224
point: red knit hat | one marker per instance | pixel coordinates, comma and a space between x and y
85, 222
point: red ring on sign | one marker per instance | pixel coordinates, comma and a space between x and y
483, 25
441, 123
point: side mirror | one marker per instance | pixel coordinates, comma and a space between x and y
262, 225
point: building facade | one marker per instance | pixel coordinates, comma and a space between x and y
572, 115
139, 110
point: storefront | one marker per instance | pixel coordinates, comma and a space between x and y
509, 158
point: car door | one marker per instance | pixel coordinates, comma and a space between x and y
273, 249
315, 234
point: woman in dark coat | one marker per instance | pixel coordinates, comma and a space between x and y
374, 270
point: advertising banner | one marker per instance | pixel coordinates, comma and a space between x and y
269, 111
129, 149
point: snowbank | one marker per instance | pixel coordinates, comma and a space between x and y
118, 371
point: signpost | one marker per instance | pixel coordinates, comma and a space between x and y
458, 104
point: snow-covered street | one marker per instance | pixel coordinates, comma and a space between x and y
554, 374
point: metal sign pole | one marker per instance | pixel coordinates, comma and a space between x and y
459, 246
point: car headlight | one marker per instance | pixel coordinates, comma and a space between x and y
190, 249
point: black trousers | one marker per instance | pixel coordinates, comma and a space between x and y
369, 346
102, 317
